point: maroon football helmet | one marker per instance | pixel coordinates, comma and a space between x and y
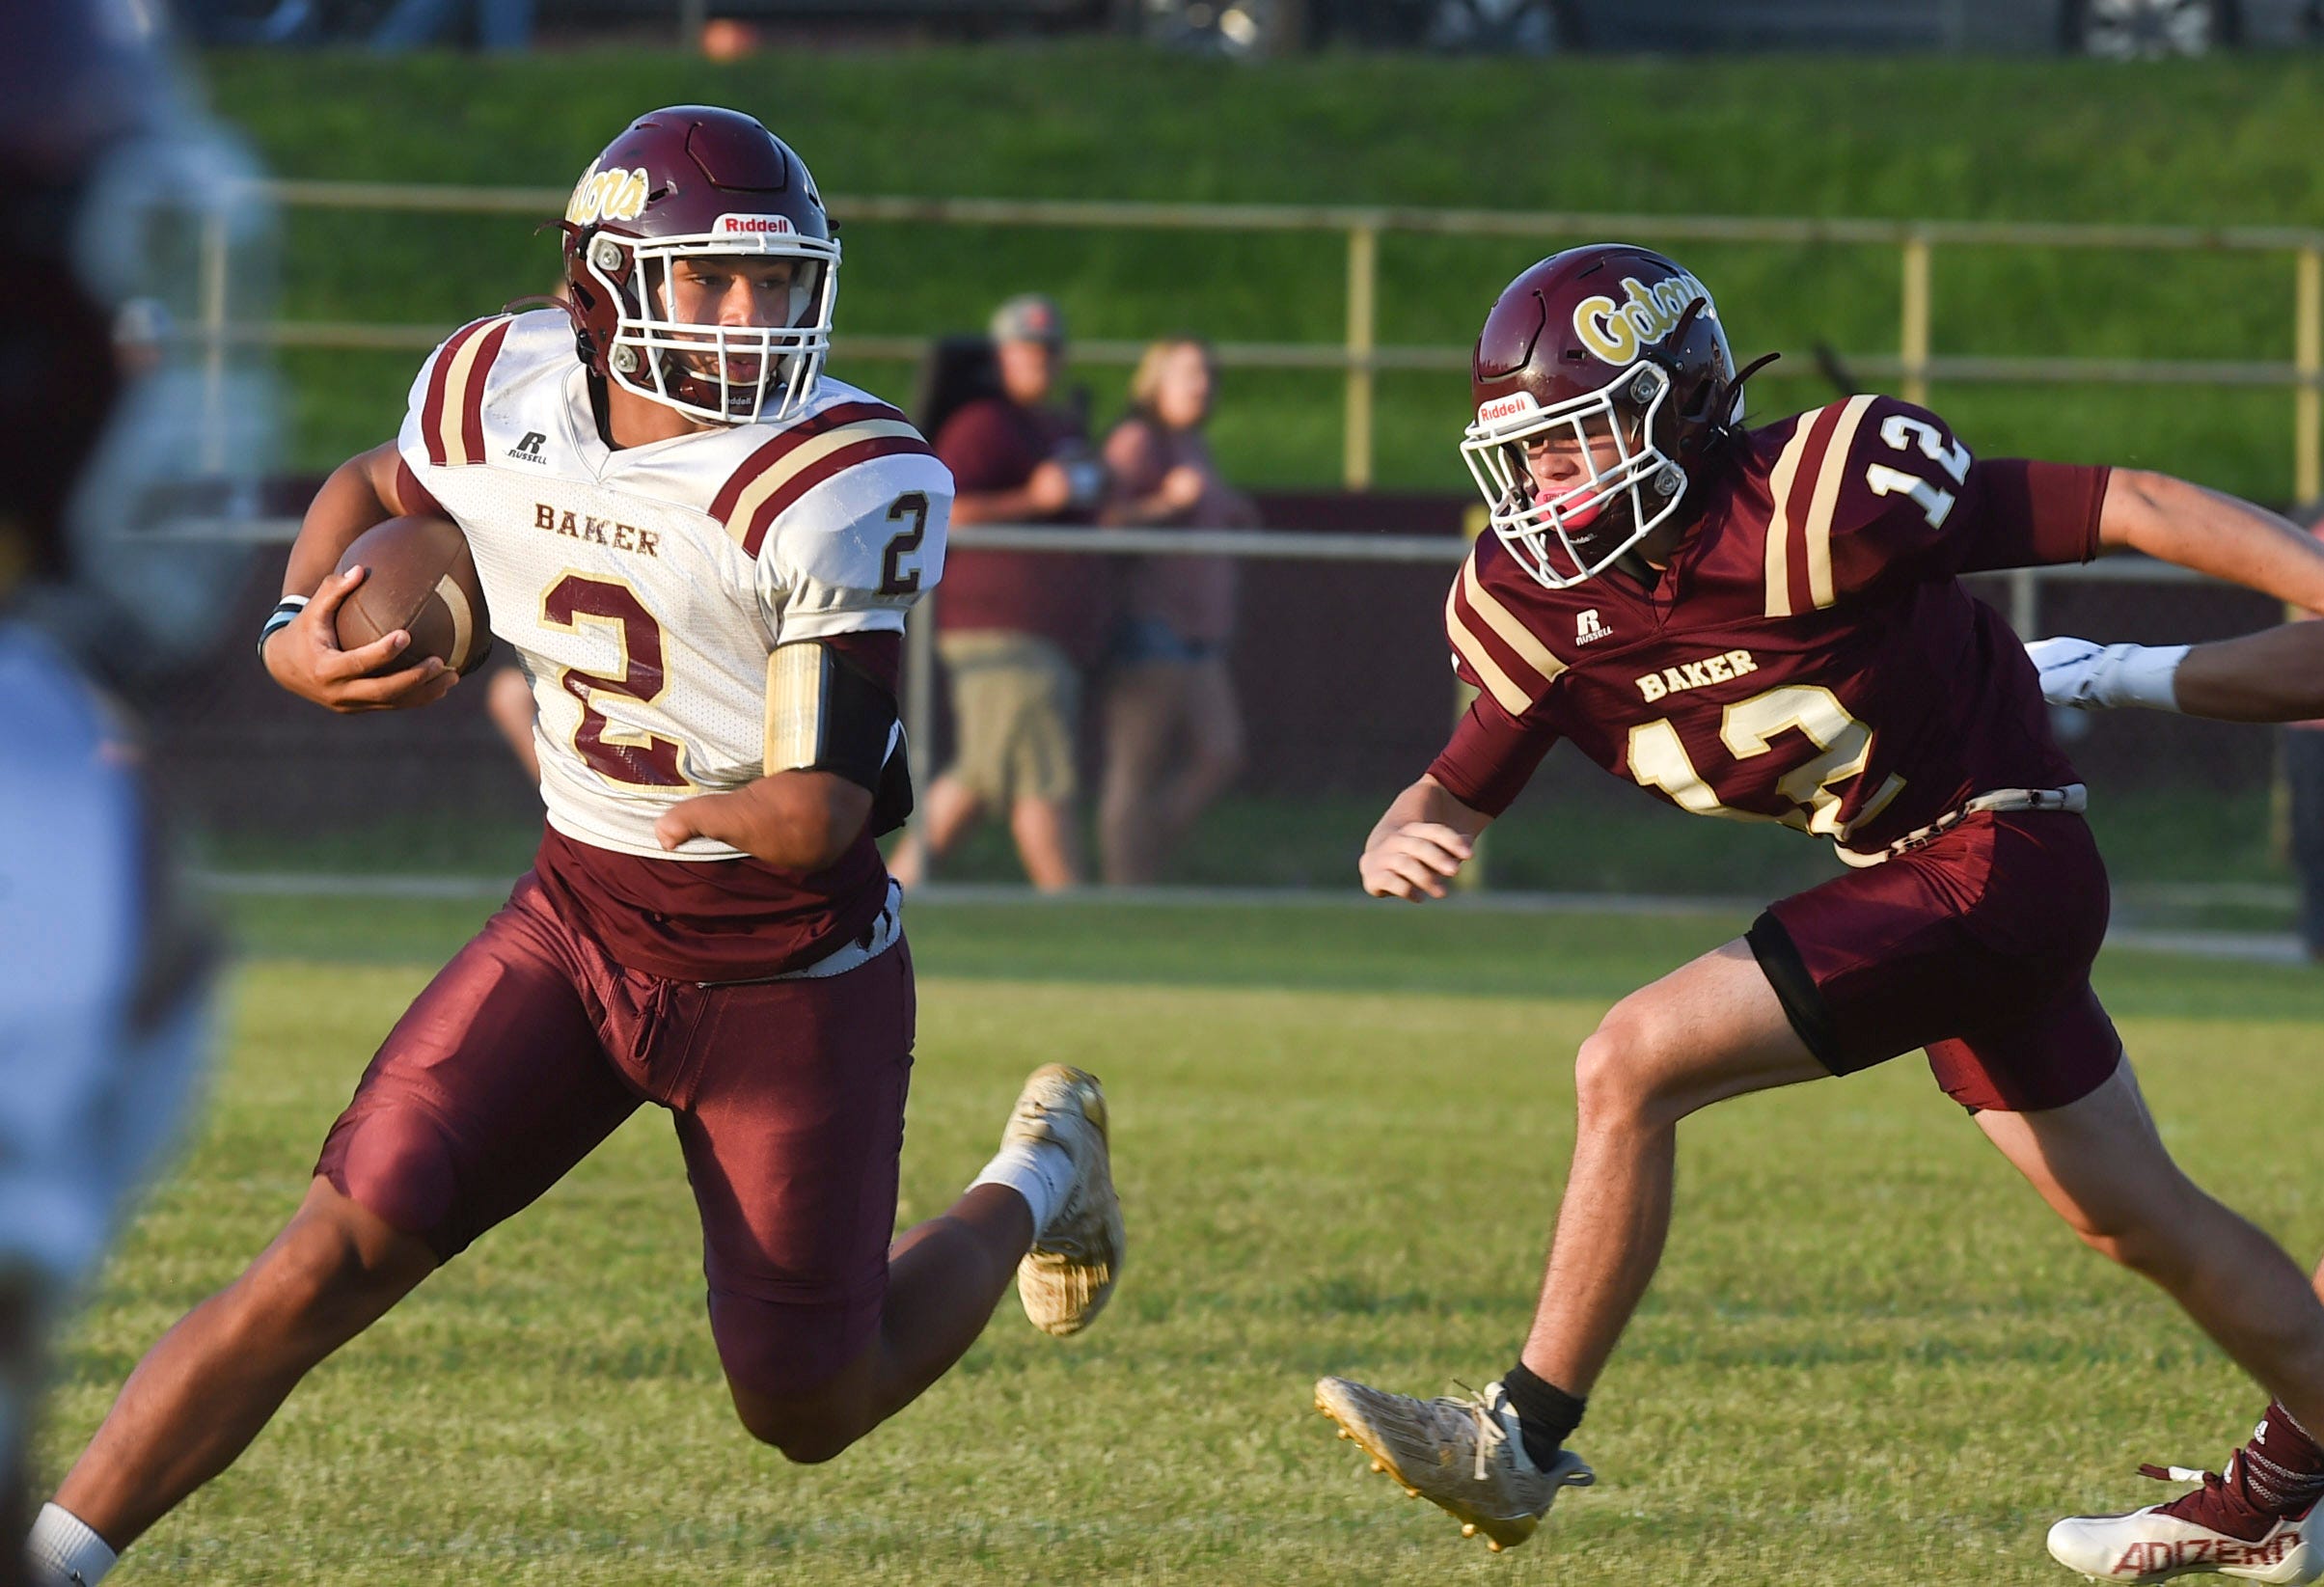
689, 182
1618, 352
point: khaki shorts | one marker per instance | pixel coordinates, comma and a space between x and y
1016, 700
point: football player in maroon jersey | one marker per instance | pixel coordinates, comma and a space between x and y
2252, 1519
1768, 624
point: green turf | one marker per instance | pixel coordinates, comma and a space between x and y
1577, 834
2224, 141
1871, 1357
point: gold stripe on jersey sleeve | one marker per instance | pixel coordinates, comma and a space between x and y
1828, 479
456, 395
1471, 649
1779, 518
791, 464
794, 721
1504, 623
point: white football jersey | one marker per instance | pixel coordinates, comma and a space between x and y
100, 1042
646, 588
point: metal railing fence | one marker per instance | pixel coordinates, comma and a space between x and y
1360, 357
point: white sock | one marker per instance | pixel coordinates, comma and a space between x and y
64, 1553
1040, 1171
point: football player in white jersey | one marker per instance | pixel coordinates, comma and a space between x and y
701, 549
105, 975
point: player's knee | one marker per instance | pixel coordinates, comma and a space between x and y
803, 1441
1613, 1069
2142, 1244
321, 1274
788, 1369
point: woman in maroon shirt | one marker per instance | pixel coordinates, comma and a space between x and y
1173, 733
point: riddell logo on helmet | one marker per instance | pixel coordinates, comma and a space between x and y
607, 195
1507, 407
1617, 332
751, 226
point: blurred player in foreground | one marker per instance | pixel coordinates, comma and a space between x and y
1769, 626
703, 551
2258, 1519
113, 431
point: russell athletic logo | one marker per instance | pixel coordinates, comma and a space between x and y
528, 451
1588, 629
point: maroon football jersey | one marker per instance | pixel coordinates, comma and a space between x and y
1809, 656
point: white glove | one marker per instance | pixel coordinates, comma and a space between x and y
2104, 677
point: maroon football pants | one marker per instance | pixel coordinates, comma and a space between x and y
1977, 947
530, 1046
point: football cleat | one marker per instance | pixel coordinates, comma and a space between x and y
1068, 1276
1464, 1455
2215, 1528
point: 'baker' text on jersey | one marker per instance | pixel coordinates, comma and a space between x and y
581, 525
1693, 674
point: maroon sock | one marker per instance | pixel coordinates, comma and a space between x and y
2282, 1468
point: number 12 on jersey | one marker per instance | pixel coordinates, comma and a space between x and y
1748, 729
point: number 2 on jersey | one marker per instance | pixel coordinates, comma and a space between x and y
626, 755
894, 578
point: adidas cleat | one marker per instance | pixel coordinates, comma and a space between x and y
1068, 1276
2215, 1528
1463, 1455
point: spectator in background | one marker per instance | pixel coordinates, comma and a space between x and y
1173, 733
1015, 628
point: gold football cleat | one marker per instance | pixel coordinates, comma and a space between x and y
1068, 1276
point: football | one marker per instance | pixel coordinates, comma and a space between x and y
422, 580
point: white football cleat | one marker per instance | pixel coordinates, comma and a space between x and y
2214, 1529
1464, 1455
1068, 1276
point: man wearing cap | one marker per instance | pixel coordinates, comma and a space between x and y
1015, 628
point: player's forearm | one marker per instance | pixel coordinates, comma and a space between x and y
350, 501
2212, 533
801, 821
1427, 801
2274, 676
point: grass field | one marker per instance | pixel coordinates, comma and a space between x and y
2223, 142
1870, 1356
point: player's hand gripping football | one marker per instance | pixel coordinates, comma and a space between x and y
304, 657
1412, 861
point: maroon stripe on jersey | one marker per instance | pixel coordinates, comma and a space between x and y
431, 410
822, 469
1801, 500
415, 498
789, 440
472, 404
